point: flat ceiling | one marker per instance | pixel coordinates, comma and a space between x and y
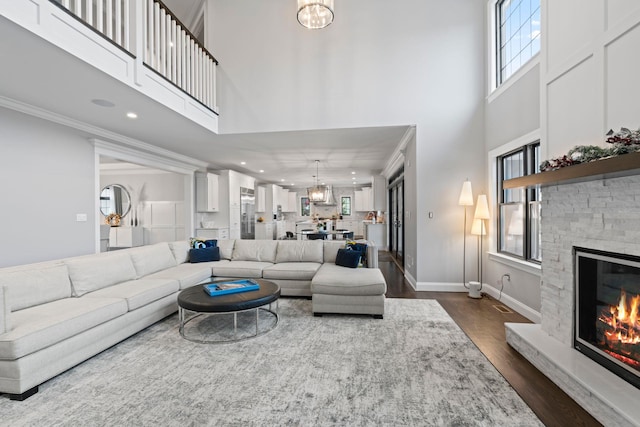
42, 75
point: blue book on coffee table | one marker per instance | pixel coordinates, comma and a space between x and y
234, 287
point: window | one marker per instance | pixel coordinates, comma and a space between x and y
519, 208
305, 206
345, 205
517, 35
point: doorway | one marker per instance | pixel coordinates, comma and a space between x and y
396, 229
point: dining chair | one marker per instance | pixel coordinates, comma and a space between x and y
317, 236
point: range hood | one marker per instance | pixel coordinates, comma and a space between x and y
330, 201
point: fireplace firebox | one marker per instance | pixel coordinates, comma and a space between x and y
607, 310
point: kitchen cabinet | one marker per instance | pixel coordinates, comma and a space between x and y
292, 202
363, 201
377, 234
207, 192
261, 195
264, 231
126, 237
213, 233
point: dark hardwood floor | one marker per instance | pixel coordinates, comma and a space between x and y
484, 325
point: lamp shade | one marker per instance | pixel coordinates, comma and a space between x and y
482, 208
478, 228
315, 14
466, 195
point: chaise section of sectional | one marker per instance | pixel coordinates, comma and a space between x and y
296, 262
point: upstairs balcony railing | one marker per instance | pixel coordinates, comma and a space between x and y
168, 47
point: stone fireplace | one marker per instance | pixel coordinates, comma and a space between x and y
603, 215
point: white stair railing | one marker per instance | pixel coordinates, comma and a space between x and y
169, 48
175, 53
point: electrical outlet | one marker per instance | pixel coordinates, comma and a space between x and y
81, 217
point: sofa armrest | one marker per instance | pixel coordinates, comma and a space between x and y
5, 310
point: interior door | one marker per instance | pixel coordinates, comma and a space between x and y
396, 238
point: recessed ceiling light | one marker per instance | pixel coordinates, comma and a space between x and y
282, 180
103, 103
243, 163
132, 115
353, 173
292, 183
353, 177
261, 170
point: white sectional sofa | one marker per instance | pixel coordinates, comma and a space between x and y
54, 315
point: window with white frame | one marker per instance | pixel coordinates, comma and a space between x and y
519, 208
517, 35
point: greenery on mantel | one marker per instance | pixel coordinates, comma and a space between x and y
622, 142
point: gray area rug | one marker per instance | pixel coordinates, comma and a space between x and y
415, 367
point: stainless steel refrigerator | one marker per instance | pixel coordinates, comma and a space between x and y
247, 213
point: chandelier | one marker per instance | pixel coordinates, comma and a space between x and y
317, 193
315, 14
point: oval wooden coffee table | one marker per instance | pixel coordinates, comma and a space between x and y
195, 300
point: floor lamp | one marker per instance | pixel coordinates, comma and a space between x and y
479, 229
466, 199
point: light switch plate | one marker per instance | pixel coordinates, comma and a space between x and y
81, 217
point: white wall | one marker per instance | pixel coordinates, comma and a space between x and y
47, 175
380, 63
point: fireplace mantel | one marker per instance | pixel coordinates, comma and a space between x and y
613, 167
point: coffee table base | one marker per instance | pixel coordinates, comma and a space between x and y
218, 324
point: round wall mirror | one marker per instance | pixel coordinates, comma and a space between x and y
115, 199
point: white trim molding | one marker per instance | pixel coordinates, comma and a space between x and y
398, 156
512, 303
440, 287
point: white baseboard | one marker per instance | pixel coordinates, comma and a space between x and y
513, 304
441, 287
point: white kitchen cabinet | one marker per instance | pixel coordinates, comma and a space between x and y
207, 192
264, 231
363, 199
126, 237
213, 233
261, 195
280, 231
292, 202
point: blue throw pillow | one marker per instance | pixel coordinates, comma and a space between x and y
200, 243
211, 253
360, 247
348, 258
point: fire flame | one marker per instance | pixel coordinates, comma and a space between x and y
623, 320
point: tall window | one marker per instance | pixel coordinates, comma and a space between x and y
519, 213
517, 35
345, 205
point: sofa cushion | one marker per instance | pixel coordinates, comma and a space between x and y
138, 292
35, 285
244, 269
180, 250
40, 326
335, 280
226, 248
152, 258
330, 250
211, 253
96, 272
255, 250
299, 251
348, 258
186, 274
291, 270
5, 310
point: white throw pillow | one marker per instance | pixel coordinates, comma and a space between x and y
255, 250
151, 259
299, 251
96, 272
180, 250
27, 288
226, 248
